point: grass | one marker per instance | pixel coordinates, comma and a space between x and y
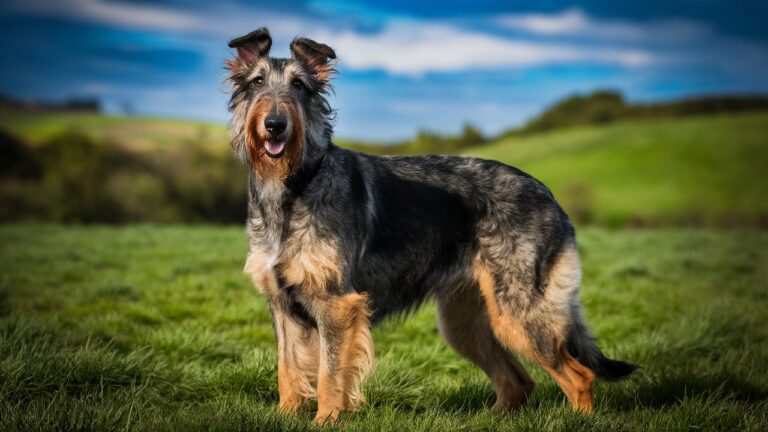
156, 328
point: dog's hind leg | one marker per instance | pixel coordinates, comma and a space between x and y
464, 324
541, 331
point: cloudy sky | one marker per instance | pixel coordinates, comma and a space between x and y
405, 65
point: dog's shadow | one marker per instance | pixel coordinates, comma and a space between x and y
639, 392
670, 389
468, 398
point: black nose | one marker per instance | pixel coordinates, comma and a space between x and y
275, 124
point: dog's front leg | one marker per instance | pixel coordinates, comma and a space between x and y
298, 346
298, 342
346, 353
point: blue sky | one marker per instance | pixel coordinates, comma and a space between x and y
405, 65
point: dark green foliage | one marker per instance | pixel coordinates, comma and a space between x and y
72, 177
75, 171
156, 328
16, 159
599, 107
699, 106
204, 186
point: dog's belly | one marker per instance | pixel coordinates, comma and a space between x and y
399, 280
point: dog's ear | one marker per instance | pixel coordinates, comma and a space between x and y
249, 48
318, 58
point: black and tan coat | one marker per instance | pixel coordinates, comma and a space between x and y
339, 240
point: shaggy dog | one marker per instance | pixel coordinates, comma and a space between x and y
339, 240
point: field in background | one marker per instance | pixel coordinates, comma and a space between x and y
139, 134
706, 170
156, 328
701, 171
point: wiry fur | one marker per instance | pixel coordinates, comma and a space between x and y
340, 240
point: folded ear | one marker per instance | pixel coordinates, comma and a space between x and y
317, 57
250, 47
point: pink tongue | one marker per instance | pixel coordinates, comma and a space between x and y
273, 147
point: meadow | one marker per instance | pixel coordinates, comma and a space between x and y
156, 328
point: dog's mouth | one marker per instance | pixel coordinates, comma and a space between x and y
274, 149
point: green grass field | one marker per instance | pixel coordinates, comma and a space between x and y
156, 328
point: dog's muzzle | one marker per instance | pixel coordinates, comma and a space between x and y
275, 124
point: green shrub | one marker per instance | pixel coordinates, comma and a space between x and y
73, 178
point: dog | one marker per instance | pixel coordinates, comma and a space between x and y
339, 240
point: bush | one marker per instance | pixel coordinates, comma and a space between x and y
16, 159
75, 172
599, 107
74, 179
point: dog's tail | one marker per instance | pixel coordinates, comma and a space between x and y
581, 345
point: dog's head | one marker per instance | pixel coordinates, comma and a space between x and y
280, 116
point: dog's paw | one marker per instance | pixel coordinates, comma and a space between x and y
326, 417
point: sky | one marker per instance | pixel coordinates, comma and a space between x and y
404, 66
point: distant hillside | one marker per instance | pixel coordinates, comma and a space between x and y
706, 170
81, 105
609, 106
134, 133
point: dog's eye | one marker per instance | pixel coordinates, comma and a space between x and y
297, 84
258, 80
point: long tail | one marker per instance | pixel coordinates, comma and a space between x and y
581, 345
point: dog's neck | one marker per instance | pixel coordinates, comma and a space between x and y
265, 211
270, 199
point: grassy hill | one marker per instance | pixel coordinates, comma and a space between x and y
156, 328
705, 170
136, 133
608, 106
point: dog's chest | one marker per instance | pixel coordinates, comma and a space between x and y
303, 258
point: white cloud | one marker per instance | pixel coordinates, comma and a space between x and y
221, 19
120, 14
567, 22
574, 22
415, 47
134, 15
